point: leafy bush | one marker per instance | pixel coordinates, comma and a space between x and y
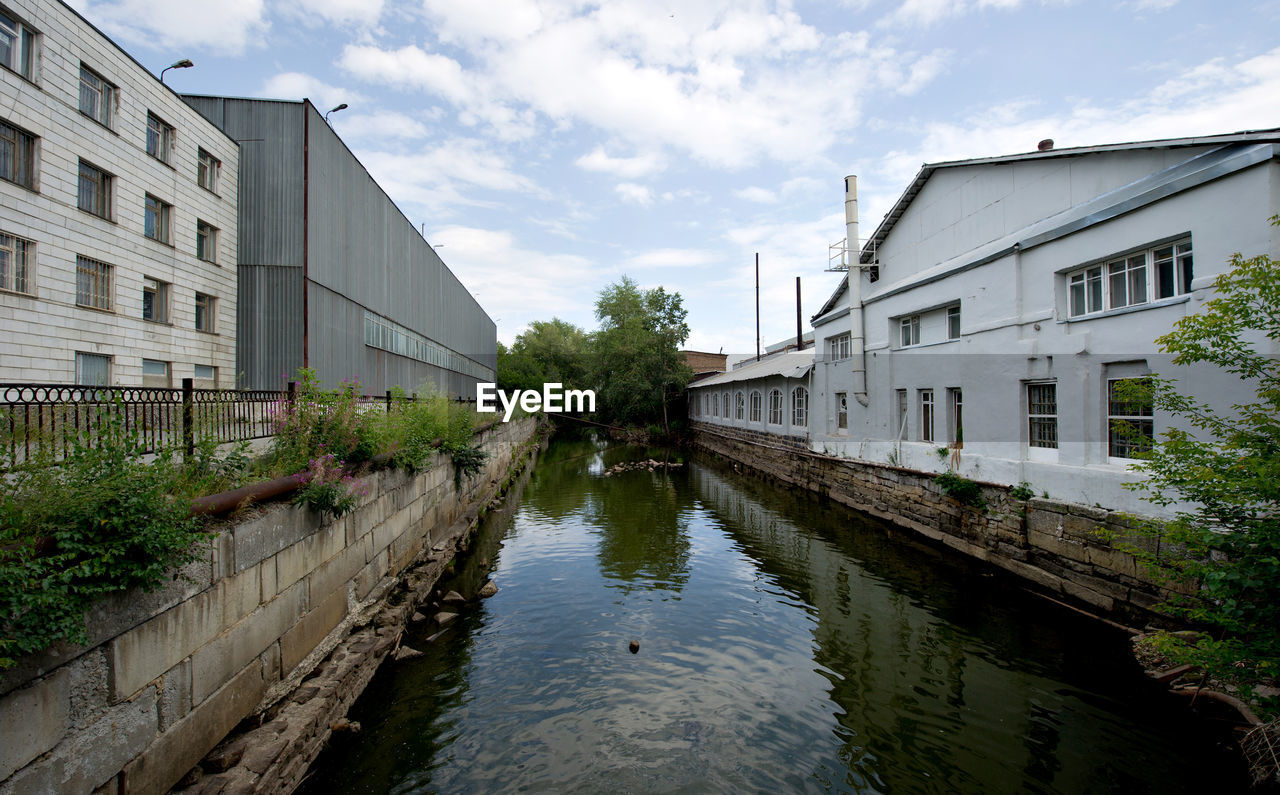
962, 490
320, 422
325, 487
1022, 491
97, 522
467, 460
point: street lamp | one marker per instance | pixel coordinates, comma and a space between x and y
343, 106
185, 63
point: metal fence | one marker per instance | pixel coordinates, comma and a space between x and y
48, 420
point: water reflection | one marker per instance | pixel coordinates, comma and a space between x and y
785, 645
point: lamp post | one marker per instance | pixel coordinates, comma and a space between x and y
343, 106
185, 63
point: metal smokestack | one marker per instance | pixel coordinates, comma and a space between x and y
853, 253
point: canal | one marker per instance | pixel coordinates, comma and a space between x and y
785, 645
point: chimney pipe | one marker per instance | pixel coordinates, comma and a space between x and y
857, 334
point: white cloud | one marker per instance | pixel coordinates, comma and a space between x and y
227, 27
442, 178
626, 167
296, 85
380, 125
756, 194
672, 258
634, 194
360, 13
408, 67
930, 12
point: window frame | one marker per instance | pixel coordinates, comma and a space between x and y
928, 412
23, 160
902, 409
212, 376
160, 292
158, 219
211, 166
107, 93
715, 404
81, 360
1042, 424
800, 407
1131, 280
17, 259
842, 411
955, 416
1119, 444
101, 193
754, 408
211, 247
24, 47
207, 305
839, 347
953, 322
165, 378
164, 135
775, 406
95, 284
909, 331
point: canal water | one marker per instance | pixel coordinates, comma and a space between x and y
785, 645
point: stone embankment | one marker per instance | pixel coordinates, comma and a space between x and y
1065, 549
272, 635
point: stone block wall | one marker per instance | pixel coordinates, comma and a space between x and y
1068, 550
167, 675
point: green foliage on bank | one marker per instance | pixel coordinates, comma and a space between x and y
1225, 462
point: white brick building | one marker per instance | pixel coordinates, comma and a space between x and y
118, 222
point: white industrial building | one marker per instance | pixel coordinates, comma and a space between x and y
986, 323
118, 221
765, 396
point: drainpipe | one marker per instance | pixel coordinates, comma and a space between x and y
857, 333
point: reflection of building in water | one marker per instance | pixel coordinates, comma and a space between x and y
915, 659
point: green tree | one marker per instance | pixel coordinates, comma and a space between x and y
1225, 462
549, 351
636, 363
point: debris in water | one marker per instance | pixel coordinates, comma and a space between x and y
635, 646
344, 725
488, 589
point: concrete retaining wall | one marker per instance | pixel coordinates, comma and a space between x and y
1071, 550
167, 675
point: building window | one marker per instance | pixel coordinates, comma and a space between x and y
159, 138
204, 312
206, 242
206, 376
800, 407
955, 407
755, 406
155, 300
97, 97
739, 406
910, 330
17, 47
953, 322
926, 415
155, 219
17, 258
838, 347
724, 401
207, 168
1132, 280
1130, 428
17, 156
93, 283
95, 191
93, 369
842, 410
155, 373
715, 405
1042, 415
775, 406
900, 404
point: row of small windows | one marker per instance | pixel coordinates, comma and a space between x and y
387, 335
94, 369
95, 284
1130, 423
709, 405
1159, 272
94, 196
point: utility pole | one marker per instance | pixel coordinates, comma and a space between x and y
757, 306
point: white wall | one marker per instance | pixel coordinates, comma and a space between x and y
40, 334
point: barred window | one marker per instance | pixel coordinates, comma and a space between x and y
800, 406
93, 283
739, 406
95, 191
17, 258
1130, 427
755, 406
1042, 415
775, 406
17, 156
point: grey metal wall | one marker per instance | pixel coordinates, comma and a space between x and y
360, 252
362, 247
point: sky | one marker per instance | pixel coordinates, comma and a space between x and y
548, 148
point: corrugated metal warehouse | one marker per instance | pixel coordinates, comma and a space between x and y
332, 275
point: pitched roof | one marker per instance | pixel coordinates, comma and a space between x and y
789, 365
